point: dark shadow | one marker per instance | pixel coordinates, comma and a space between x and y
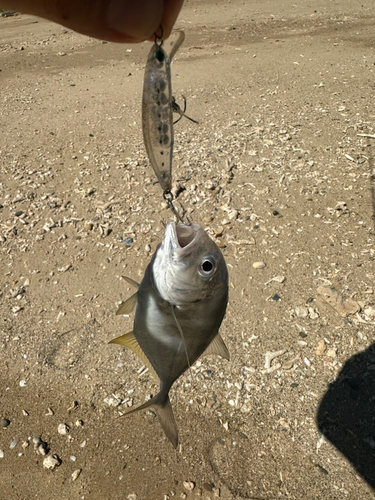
346, 414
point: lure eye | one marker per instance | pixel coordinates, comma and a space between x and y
207, 267
160, 55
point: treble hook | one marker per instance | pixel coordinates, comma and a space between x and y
176, 109
168, 198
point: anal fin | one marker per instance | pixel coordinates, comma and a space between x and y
128, 340
217, 347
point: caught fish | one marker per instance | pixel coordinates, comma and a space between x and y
180, 305
157, 111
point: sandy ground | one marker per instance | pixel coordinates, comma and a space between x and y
278, 171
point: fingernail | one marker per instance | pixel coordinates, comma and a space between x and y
137, 19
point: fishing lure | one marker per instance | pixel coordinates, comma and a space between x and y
158, 105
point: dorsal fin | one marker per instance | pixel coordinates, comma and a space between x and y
128, 306
128, 340
130, 281
218, 348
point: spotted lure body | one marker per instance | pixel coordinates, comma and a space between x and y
157, 109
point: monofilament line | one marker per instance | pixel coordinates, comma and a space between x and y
183, 338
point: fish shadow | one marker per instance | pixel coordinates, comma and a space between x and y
346, 414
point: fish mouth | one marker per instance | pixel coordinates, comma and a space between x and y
184, 235
181, 238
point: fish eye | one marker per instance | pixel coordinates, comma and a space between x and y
207, 267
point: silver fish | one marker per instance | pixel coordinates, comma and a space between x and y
157, 110
180, 305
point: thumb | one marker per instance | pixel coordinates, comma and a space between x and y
112, 20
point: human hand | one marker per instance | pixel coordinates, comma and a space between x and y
127, 21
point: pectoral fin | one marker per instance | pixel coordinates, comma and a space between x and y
130, 281
163, 410
217, 347
128, 340
128, 306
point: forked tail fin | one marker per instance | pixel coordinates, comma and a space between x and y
163, 409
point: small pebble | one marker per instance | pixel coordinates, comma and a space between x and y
75, 474
13, 444
51, 462
331, 352
321, 347
369, 311
1, 454
22, 383
279, 279
189, 485
40, 446
259, 265
148, 248
128, 240
112, 401
5, 422
313, 314
232, 214
301, 312
63, 429
176, 189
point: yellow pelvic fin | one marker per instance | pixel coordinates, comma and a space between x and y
128, 306
130, 281
218, 348
128, 340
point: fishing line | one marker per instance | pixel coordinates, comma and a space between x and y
183, 339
